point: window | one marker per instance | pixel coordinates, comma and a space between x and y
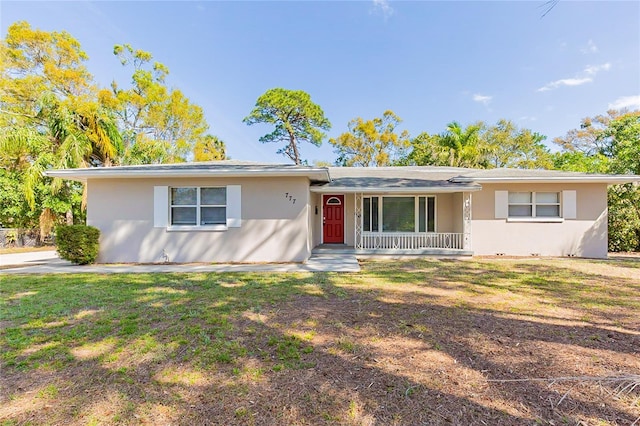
427, 214
198, 206
398, 214
370, 214
534, 204
547, 204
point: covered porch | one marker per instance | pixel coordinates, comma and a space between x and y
390, 210
412, 221
394, 224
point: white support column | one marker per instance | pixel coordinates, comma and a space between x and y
466, 221
357, 217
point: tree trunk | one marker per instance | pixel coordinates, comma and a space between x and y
294, 149
69, 217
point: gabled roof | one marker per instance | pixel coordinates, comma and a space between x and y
200, 169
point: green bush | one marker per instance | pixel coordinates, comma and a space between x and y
624, 218
77, 243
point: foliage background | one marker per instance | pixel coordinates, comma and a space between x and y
54, 115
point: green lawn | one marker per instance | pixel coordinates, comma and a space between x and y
411, 342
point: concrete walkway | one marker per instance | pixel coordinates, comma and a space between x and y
29, 258
41, 263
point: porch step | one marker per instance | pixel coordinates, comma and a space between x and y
333, 249
343, 249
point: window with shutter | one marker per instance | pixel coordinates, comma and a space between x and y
197, 208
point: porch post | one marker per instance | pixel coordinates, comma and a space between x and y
357, 226
466, 221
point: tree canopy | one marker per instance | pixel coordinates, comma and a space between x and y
589, 137
54, 115
506, 145
158, 124
457, 146
295, 117
481, 145
209, 148
371, 143
609, 144
49, 117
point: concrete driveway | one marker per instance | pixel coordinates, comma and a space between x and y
47, 262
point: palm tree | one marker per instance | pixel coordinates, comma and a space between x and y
61, 135
461, 146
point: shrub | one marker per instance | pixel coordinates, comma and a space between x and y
77, 243
11, 239
624, 218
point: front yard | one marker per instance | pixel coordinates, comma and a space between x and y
411, 342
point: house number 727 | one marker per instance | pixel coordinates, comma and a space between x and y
289, 197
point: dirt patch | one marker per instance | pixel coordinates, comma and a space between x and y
411, 361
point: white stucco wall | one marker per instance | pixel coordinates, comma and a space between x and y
349, 219
273, 228
448, 212
316, 219
457, 212
585, 236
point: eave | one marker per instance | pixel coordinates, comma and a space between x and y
320, 175
608, 179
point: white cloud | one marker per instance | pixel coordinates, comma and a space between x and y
565, 82
590, 48
483, 99
528, 118
382, 7
632, 102
595, 69
584, 77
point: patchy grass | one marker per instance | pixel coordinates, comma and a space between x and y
411, 342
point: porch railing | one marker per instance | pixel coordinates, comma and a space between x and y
412, 241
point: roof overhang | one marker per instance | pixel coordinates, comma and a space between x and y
82, 175
387, 190
608, 179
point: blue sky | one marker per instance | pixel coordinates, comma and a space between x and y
429, 62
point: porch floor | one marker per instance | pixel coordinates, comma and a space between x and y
345, 249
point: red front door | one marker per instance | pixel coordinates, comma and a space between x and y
333, 219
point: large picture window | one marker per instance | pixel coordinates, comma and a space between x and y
534, 204
193, 206
398, 214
